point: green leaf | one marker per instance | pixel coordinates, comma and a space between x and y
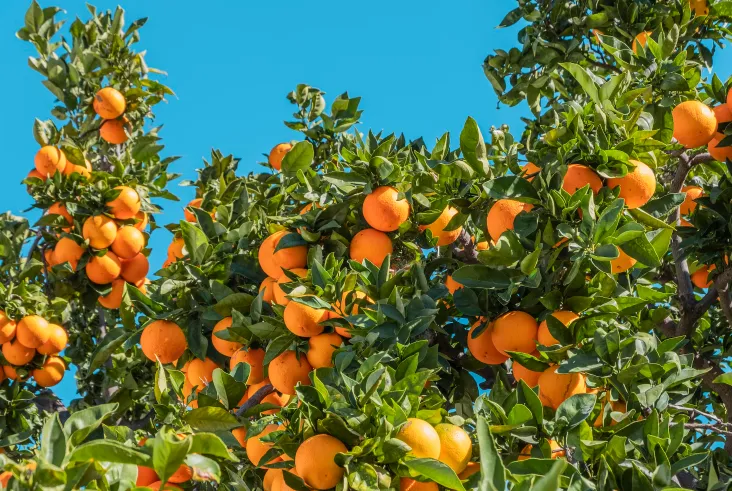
552, 480
300, 157
585, 79
528, 361
211, 419
436, 471
195, 240
472, 146
109, 451
108, 345
82, 423
514, 187
168, 454
204, 467
478, 276
607, 224
648, 219
236, 301
210, 444
642, 250
493, 473
575, 409
229, 391
725, 378
53, 441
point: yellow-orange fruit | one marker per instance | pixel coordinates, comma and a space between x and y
470, 469
383, 211
51, 373
303, 320
637, 186
579, 176
285, 371
50, 160
163, 340
408, 484
277, 154
555, 448
16, 353
35, 174
456, 448
700, 277
275, 398
32, 331
280, 297
452, 285
341, 308
57, 340
321, 349
200, 372
641, 39
100, 231
529, 170
502, 215
721, 154
67, 251
482, 246
694, 124
622, 263
520, 372
291, 257
372, 245
10, 372
265, 255
422, 437
176, 249
142, 220
135, 269
269, 478
256, 448
126, 205
113, 131
555, 388
255, 358
50, 258
60, 209
437, 228
113, 300
189, 216
145, 476
268, 285
482, 347
545, 337
315, 461
109, 103
103, 269
515, 331
84, 170
226, 348
699, 7
7, 328
692, 193
615, 406
128, 242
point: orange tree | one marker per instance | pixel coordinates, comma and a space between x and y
329, 322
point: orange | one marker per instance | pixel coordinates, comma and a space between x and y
7, 328
57, 341
35, 174
694, 124
32, 331
176, 249
135, 269
555, 388
291, 257
128, 242
482, 246
689, 204
275, 398
109, 103
103, 269
268, 285
279, 483
163, 340
187, 391
615, 406
12, 374
50, 160
51, 373
372, 245
285, 371
526, 451
67, 251
721, 154
456, 448
255, 358
520, 372
700, 277
113, 131
5, 478
502, 215
408, 484
722, 114
126, 205
579, 176
422, 437
50, 257
113, 300
321, 349
482, 348
545, 337
142, 221
315, 461
265, 255
226, 348
622, 263
145, 476
303, 320
279, 294
383, 211
60, 209
452, 285
17, 354
529, 170
277, 154
256, 448
269, 478
200, 372
100, 231
437, 228
641, 39
341, 309
699, 7
637, 186
515, 331
470, 469
84, 170
196, 203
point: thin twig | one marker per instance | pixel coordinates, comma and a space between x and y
707, 427
255, 399
34, 245
694, 412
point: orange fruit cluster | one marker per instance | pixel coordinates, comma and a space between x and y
50, 160
110, 105
146, 476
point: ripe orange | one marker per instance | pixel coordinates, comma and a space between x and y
256, 448
67, 251
57, 341
545, 337
303, 320
109, 103
321, 349
699, 7
315, 461
275, 398
265, 255
189, 216
187, 390
529, 170
515, 331
255, 358
482, 348
408, 484
51, 373
126, 205
163, 340
721, 154
689, 204
269, 478
145, 476
7, 328
640, 39
176, 249
520, 372
452, 285
84, 170
372, 245
456, 448
637, 186
723, 114
578, 176
113, 300
135, 269
700, 277
268, 285
615, 406
60, 209
113, 131
279, 294
226, 348
100, 231
103, 269
555, 388
142, 220
12, 374
128, 242
341, 308
383, 211
50, 160
278, 153
694, 124
35, 174
622, 263
200, 372
32, 331
437, 228
502, 215
526, 451
285, 371
422, 437
16, 353
482, 246
291, 257
472, 468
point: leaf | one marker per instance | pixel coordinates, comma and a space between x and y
203, 468
210, 444
300, 157
168, 454
230, 391
236, 301
512, 187
528, 361
551, 481
436, 471
104, 350
607, 224
195, 240
479, 276
648, 220
493, 473
725, 378
109, 451
642, 250
211, 419
472, 145
584, 78
53, 441
575, 409
82, 423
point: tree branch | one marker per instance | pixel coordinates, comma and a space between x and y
464, 249
49, 402
721, 283
255, 399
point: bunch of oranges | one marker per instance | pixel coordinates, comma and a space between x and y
50, 160
23, 340
110, 105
